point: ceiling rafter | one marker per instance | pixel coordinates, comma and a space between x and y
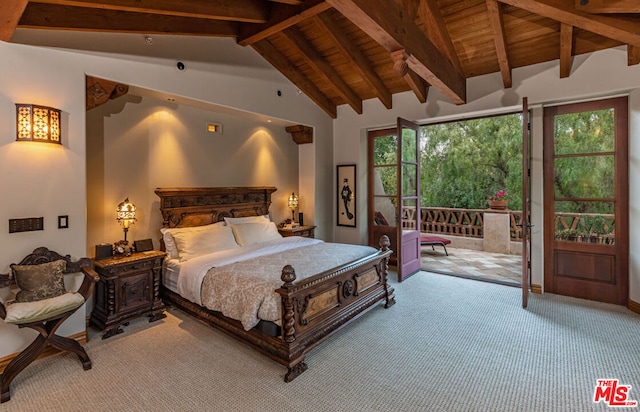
381, 19
11, 11
608, 6
615, 28
566, 49
282, 17
324, 69
415, 82
495, 17
47, 16
430, 14
356, 57
251, 11
280, 62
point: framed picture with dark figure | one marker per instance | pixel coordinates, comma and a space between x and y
346, 187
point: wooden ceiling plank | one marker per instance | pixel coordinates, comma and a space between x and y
495, 17
608, 6
633, 55
566, 49
356, 57
292, 2
387, 23
10, 13
282, 17
46, 16
324, 69
284, 66
622, 30
430, 14
252, 11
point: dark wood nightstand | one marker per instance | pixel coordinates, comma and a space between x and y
304, 231
129, 287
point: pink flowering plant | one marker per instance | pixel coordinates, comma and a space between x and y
500, 195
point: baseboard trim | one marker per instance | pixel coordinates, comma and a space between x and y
81, 338
536, 289
633, 306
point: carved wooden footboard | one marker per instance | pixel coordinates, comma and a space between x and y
312, 309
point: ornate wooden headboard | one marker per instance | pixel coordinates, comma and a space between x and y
197, 206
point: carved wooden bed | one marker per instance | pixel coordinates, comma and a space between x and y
312, 309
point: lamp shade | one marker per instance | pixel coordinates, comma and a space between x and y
37, 123
293, 201
126, 213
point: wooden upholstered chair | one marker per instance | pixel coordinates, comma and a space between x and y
41, 305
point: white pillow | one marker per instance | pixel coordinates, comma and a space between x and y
167, 236
249, 233
246, 219
195, 243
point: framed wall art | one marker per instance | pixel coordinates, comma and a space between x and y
346, 187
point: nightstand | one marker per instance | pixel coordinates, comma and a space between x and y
129, 287
304, 231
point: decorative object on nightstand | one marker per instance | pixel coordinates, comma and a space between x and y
126, 216
128, 288
293, 205
304, 231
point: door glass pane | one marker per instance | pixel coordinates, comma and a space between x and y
385, 211
584, 177
594, 224
409, 214
385, 181
409, 142
385, 150
409, 180
585, 132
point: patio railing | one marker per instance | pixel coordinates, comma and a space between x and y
470, 223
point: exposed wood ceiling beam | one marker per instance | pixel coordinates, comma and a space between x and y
251, 11
619, 29
277, 60
294, 2
633, 55
47, 16
608, 6
415, 82
356, 57
324, 69
430, 14
566, 49
282, 17
10, 12
387, 23
495, 17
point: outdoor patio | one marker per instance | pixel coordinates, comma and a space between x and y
477, 264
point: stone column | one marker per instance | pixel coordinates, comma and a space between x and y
497, 237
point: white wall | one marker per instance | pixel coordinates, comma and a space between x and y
597, 75
48, 181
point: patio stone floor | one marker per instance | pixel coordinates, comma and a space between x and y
475, 264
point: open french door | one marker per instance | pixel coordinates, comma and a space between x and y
408, 220
526, 203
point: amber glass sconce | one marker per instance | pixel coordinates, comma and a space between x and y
37, 124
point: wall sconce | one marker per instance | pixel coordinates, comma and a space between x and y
37, 123
126, 215
293, 204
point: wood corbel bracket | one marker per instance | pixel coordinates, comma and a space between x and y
301, 134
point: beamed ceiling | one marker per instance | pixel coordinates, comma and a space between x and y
346, 51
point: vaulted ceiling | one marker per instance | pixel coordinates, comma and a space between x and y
346, 51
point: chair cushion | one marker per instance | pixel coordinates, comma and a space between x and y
38, 282
27, 312
427, 240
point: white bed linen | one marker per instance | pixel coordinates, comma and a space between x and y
191, 273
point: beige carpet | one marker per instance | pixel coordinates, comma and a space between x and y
449, 344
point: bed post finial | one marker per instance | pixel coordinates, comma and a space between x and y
288, 276
385, 243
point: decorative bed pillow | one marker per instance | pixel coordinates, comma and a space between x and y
250, 233
167, 236
39, 282
246, 219
195, 243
